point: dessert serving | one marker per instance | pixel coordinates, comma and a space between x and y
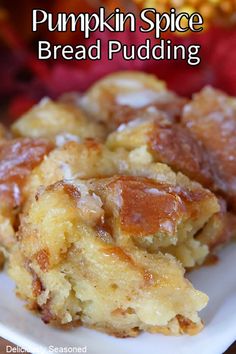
108, 197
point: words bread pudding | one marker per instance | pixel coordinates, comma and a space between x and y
106, 199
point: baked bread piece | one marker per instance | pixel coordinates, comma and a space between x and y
124, 96
174, 145
18, 157
171, 144
57, 121
159, 216
211, 119
74, 160
45, 125
71, 266
220, 229
202, 145
91, 159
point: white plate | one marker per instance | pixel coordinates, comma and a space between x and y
27, 331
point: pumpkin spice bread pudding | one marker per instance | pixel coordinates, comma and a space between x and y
108, 197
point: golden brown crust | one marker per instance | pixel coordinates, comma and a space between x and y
146, 206
58, 122
125, 96
175, 146
211, 118
187, 326
18, 158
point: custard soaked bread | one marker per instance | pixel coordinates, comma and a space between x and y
124, 96
18, 157
111, 196
72, 265
53, 120
174, 145
91, 159
33, 136
211, 119
196, 137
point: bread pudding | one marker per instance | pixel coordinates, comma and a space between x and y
53, 120
211, 119
91, 159
18, 158
75, 262
124, 96
108, 197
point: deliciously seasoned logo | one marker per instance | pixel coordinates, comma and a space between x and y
43, 350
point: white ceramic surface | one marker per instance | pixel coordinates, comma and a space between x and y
27, 331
